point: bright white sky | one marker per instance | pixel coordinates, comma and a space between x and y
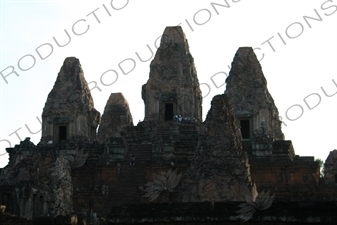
294, 70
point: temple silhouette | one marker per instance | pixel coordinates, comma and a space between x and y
183, 171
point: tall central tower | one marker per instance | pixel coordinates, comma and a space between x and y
173, 86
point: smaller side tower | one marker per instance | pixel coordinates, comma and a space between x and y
69, 113
255, 110
116, 116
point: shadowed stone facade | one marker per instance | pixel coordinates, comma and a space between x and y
274, 164
37, 181
69, 113
217, 162
330, 169
173, 86
220, 169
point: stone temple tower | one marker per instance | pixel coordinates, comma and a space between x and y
254, 107
69, 113
116, 116
173, 86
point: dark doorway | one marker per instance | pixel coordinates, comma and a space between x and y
168, 111
245, 129
62, 133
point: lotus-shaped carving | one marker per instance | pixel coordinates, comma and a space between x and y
78, 159
164, 181
262, 202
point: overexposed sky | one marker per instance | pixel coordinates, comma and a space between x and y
296, 42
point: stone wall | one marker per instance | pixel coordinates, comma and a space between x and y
209, 213
296, 180
107, 179
274, 166
37, 181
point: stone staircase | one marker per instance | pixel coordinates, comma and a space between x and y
187, 128
123, 186
164, 131
142, 152
186, 145
126, 189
